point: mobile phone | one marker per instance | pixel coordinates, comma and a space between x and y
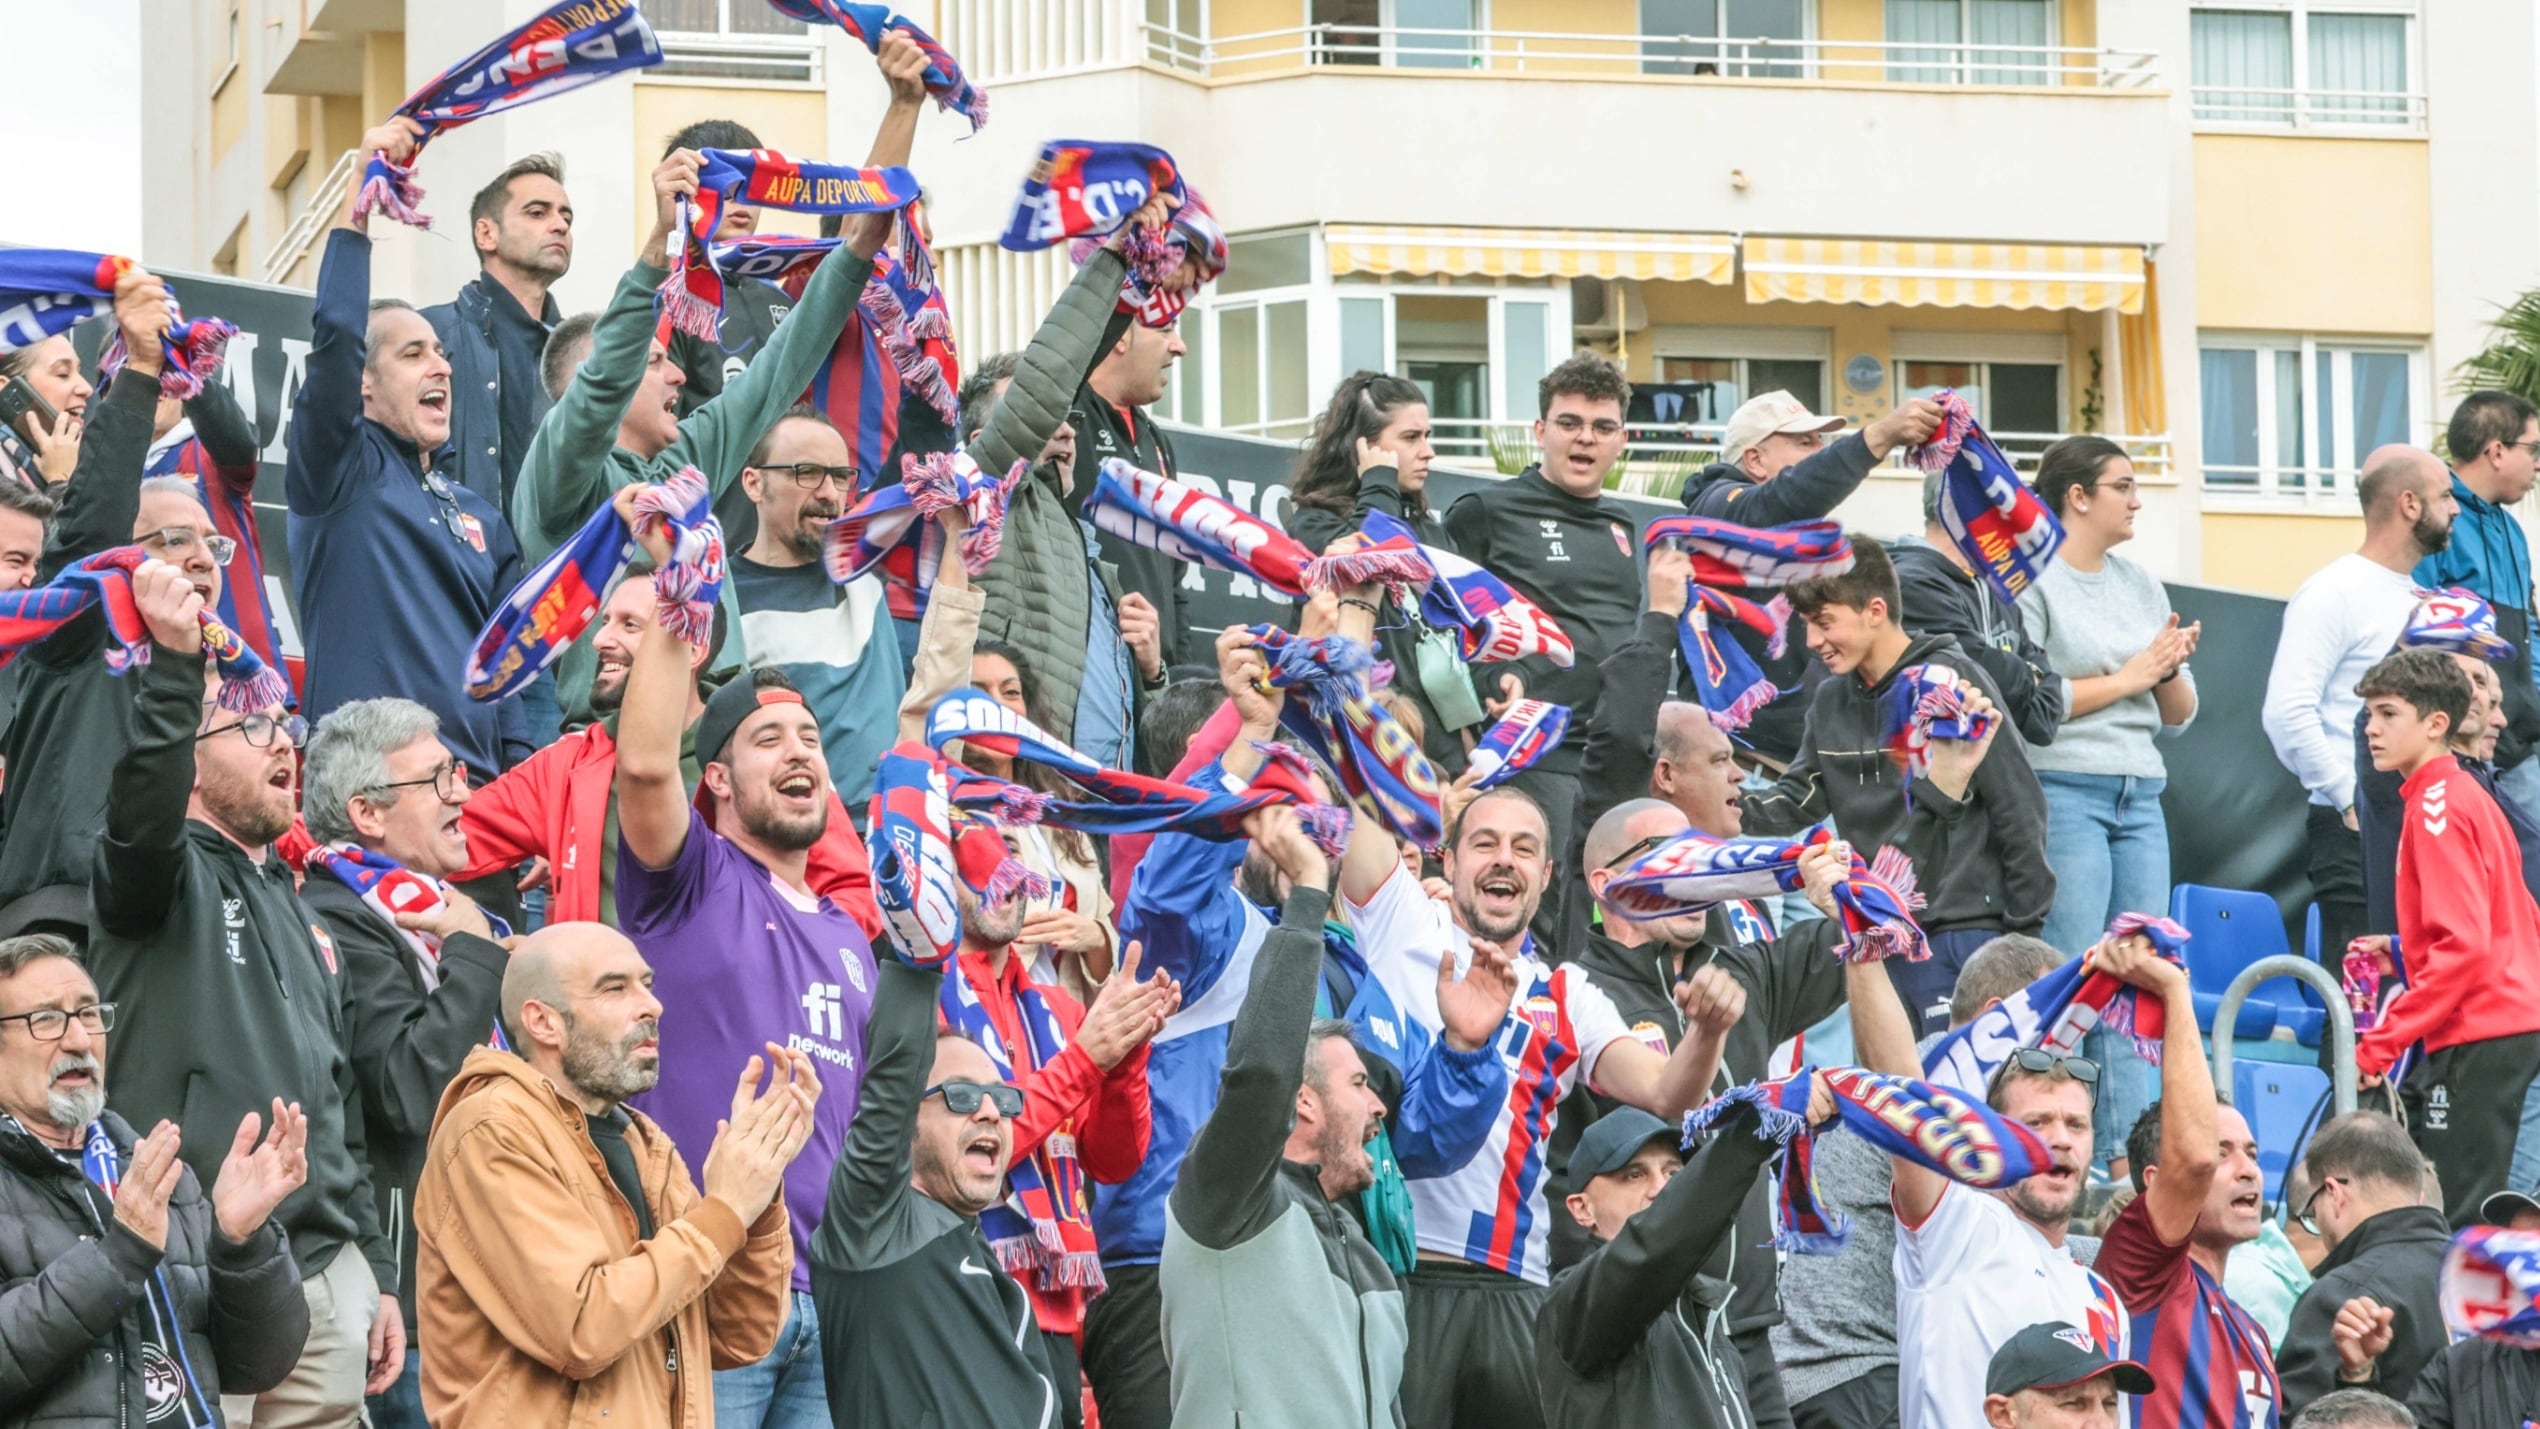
24, 411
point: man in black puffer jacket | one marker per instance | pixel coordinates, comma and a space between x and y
95, 1275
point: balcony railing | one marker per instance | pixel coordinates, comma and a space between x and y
2238, 107
314, 218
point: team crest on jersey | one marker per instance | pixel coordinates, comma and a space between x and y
1544, 1013
326, 947
1622, 538
1652, 1036
471, 531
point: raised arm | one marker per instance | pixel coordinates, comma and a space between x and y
2191, 1125
872, 1176
1622, 748
948, 634
326, 416
138, 861
652, 800
103, 496
1882, 1031
1670, 1086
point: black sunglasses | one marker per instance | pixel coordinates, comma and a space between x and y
1629, 856
2039, 1060
962, 1098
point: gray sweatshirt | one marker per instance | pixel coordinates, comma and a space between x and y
2091, 623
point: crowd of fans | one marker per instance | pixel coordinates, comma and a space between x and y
377, 1052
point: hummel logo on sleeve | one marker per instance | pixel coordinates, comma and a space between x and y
2435, 808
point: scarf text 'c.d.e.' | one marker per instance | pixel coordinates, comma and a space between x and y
2054, 1012
1997, 523
564, 47
1081, 191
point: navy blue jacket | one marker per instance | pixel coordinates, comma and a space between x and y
2491, 558
466, 327
394, 568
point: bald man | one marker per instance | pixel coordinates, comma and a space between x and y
562, 1253
1791, 983
2341, 621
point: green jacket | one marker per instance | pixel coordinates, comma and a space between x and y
574, 464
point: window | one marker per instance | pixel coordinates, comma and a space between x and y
2292, 416
2314, 62
1415, 34
1176, 33
1703, 391
733, 39
1694, 37
1972, 41
2020, 403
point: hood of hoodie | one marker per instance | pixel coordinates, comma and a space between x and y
1712, 475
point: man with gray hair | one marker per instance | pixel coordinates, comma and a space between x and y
2355, 1409
423, 965
132, 1293
1942, 595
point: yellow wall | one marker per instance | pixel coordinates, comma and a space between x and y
2271, 553
2314, 235
229, 112
792, 120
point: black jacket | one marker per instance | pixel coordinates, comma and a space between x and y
1617, 1342
405, 1043
78, 1293
1398, 628
2477, 1384
919, 1323
1103, 431
230, 995
1809, 491
1621, 753
1792, 983
478, 383
74, 716
1981, 861
1577, 558
1938, 598
2392, 1257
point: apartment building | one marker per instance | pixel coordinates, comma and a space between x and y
2250, 240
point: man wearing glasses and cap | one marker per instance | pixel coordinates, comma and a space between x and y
230, 994
2050, 1376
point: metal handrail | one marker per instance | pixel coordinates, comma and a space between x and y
2341, 1023
314, 217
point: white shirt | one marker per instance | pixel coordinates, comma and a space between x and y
1493, 1212
1968, 1278
2336, 627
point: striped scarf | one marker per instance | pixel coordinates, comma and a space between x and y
900, 515
103, 582
1493, 623
555, 603
2054, 1012
1697, 872
1193, 235
1081, 191
1933, 1126
1921, 705
691, 298
1727, 557
103, 1166
924, 849
1041, 1228
1529, 730
1147, 509
1334, 715
2490, 1285
1996, 522
46, 291
389, 888
2458, 622
568, 45
869, 23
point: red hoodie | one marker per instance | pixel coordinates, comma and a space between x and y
2468, 930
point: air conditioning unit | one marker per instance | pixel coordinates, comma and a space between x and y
1596, 302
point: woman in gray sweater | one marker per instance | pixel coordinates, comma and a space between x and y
2109, 632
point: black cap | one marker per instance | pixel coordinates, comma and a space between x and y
2053, 1355
726, 708
1612, 1140
2501, 1208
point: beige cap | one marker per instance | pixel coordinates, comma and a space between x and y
1762, 416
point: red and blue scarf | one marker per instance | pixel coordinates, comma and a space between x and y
2457, 622
1084, 190
103, 582
1933, 1126
555, 603
1995, 521
1147, 509
869, 23
900, 515
1697, 872
2054, 1012
925, 848
570, 44
1493, 623
1530, 730
1924, 703
1042, 1228
45, 291
1727, 557
389, 888
2490, 1284
103, 1166
1123, 802
691, 298
1193, 235
1332, 712
900, 339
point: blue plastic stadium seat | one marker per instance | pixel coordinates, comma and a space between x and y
2279, 1101
2231, 928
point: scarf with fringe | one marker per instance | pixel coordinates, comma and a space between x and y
1727, 557
924, 847
1042, 1227
1529, 730
1697, 872
2458, 622
899, 338
555, 603
103, 582
389, 888
566, 46
1492, 622
1923, 704
47, 291
869, 23
899, 515
1145, 508
1992, 517
691, 298
1081, 191
1332, 712
2054, 1012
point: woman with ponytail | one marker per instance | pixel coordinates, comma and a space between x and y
1370, 452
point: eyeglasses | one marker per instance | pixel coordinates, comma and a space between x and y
1570, 424
810, 474
2118, 489
2307, 1217
2533, 446
1625, 859
51, 1024
962, 1098
258, 730
178, 543
448, 782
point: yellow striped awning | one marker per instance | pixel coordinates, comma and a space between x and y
1530, 253
1944, 275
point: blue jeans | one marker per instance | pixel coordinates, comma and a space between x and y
2110, 850
400, 1406
786, 1390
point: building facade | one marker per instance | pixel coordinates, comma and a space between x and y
2250, 240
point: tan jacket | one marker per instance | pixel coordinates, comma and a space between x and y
535, 1302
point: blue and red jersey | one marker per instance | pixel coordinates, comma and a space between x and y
2214, 1366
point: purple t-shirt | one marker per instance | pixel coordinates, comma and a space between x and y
740, 960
